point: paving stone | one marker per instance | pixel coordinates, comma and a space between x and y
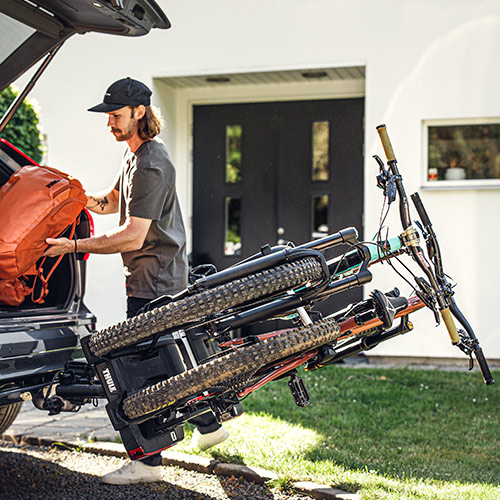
192, 462
41, 440
106, 448
10, 436
322, 492
254, 474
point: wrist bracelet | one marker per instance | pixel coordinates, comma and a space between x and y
76, 247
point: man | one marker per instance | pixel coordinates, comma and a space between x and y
151, 236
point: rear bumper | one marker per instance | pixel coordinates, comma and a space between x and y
30, 357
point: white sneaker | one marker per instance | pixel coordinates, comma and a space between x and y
133, 472
205, 441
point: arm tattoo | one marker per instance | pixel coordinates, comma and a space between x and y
102, 203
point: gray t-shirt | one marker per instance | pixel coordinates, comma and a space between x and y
147, 189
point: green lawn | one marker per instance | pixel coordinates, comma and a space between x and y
385, 433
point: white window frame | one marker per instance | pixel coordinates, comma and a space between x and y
459, 184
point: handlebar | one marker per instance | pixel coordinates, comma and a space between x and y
483, 365
450, 325
440, 292
476, 348
422, 213
386, 143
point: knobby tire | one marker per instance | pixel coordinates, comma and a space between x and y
8, 414
243, 361
197, 306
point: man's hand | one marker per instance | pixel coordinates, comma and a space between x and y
59, 246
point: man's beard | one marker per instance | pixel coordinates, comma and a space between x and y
125, 135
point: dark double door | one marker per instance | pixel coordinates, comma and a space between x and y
274, 172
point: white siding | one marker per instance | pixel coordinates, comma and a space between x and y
424, 60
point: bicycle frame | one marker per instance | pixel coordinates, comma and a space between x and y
349, 328
355, 262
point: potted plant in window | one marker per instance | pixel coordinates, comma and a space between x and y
455, 172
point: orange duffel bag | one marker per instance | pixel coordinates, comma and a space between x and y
36, 203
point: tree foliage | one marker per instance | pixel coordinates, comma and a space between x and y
23, 130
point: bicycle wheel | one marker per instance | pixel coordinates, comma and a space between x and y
242, 362
197, 306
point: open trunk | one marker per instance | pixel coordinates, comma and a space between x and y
37, 339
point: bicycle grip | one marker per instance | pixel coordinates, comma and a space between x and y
415, 197
450, 325
386, 143
483, 366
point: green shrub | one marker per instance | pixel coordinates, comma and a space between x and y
23, 129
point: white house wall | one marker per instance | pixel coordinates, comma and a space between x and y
424, 60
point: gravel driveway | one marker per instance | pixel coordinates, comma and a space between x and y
40, 473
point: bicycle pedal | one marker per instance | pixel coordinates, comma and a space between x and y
299, 391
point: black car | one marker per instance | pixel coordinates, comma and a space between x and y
37, 340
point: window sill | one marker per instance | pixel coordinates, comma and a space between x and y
461, 185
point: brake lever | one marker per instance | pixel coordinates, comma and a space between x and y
424, 293
380, 162
386, 181
466, 346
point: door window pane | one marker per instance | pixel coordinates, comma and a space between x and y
233, 153
458, 152
232, 245
319, 216
320, 151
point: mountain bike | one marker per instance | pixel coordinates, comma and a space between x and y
182, 356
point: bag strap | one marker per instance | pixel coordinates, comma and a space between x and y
44, 280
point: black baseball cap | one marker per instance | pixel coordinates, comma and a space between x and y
124, 92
